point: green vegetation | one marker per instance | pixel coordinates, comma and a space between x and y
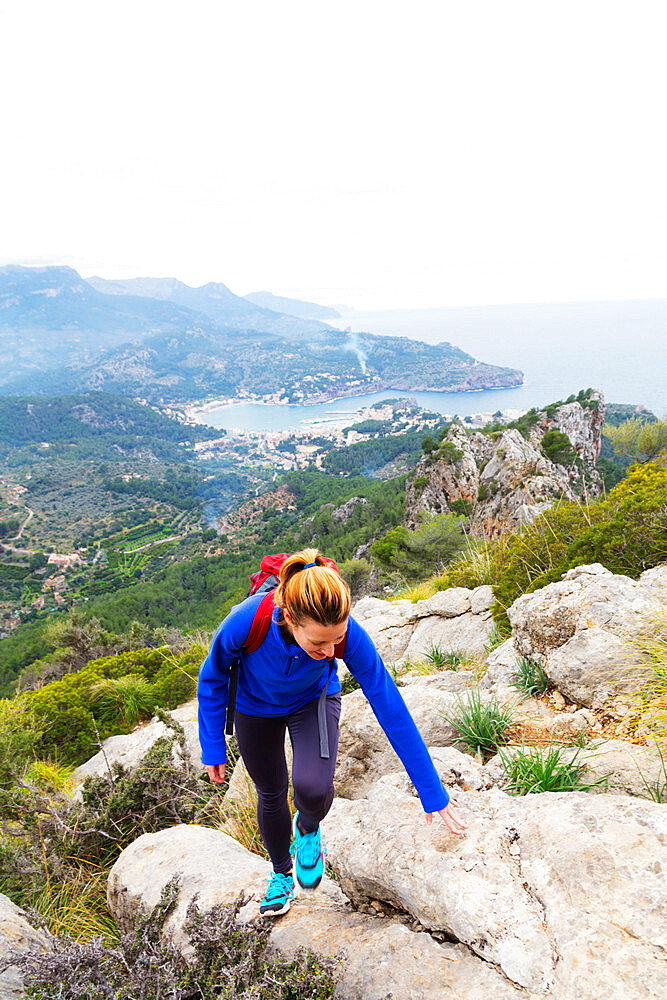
530, 677
483, 727
542, 769
652, 643
636, 439
625, 531
448, 452
409, 555
71, 718
91, 424
122, 701
231, 959
446, 659
557, 447
365, 458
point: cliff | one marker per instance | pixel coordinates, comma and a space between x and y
504, 477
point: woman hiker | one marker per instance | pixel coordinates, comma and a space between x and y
290, 681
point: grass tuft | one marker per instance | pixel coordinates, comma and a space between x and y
530, 677
541, 769
483, 727
123, 701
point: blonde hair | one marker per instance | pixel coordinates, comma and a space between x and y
316, 592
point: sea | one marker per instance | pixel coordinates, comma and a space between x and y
617, 347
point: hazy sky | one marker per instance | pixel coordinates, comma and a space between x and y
378, 154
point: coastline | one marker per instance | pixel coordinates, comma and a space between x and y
191, 410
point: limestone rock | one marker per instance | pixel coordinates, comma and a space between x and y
364, 752
467, 633
508, 482
129, 748
501, 665
441, 680
625, 763
454, 619
582, 629
18, 934
377, 956
564, 892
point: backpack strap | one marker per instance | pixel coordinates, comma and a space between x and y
256, 636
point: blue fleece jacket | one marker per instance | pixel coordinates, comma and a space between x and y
280, 677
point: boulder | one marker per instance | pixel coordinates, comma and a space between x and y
582, 629
17, 936
562, 892
501, 665
625, 763
378, 956
454, 619
129, 748
364, 752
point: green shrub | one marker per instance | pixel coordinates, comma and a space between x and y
63, 711
231, 959
626, 532
355, 572
413, 554
540, 769
122, 701
482, 727
557, 447
530, 677
461, 506
20, 735
448, 452
349, 683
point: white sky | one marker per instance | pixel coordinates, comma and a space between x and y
379, 154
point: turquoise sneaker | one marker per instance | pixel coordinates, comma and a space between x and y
279, 894
308, 856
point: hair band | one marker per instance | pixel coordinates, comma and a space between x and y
308, 565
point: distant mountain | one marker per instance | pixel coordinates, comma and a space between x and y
50, 317
214, 300
293, 307
169, 368
60, 334
58, 299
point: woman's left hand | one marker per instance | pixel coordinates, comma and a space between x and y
450, 818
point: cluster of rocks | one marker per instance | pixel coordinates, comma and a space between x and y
509, 480
553, 895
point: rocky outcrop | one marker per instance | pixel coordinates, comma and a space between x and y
561, 892
454, 619
582, 628
554, 895
506, 480
17, 936
379, 956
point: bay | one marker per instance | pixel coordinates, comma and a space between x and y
617, 347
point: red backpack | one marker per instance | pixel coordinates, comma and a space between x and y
265, 581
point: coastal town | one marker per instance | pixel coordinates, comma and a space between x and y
290, 449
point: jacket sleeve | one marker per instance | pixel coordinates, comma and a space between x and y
365, 663
213, 683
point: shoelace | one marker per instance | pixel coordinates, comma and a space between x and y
312, 852
278, 885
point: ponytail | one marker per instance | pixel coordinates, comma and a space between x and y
310, 588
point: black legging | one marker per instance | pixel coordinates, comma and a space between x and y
262, 745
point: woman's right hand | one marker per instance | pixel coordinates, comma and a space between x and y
216, 772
